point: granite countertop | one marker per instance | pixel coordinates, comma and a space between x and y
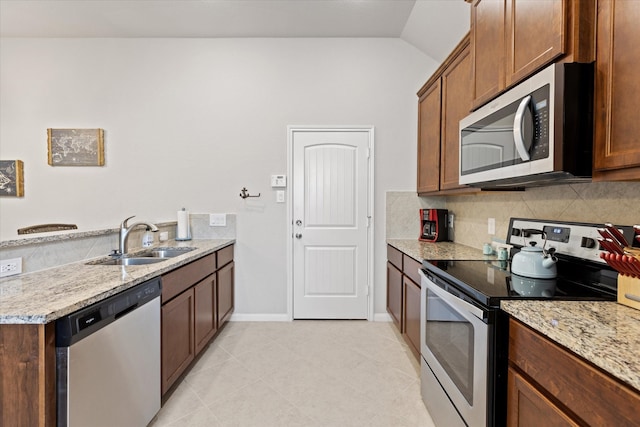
438, 251
606, 334
43, 296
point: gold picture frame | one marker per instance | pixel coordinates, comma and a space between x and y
75, 147
11, 178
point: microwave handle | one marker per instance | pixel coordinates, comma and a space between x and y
518, 128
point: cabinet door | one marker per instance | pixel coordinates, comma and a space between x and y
205, 316
527, 406
412, 315
225, 293
177, 337
456, 104
394, 294
487, 49
617, 97
429, 139
536, 32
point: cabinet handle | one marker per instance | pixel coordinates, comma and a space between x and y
518, 128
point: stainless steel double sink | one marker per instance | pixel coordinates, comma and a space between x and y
146, 257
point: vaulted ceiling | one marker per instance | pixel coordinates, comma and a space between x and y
433, 26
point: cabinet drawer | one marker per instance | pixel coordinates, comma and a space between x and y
394, 256
411, 268
596, 397
180, 279
225, 256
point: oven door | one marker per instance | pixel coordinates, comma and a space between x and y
454, 345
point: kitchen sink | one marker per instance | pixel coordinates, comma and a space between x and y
147, 257
129, 261
165, 252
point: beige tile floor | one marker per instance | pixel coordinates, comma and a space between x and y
301, 373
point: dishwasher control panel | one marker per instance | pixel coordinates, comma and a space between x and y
75, 326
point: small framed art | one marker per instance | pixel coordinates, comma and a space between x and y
76, 147
11, 178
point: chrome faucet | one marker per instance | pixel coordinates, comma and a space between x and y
125, 230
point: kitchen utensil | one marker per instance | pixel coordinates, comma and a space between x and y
605, 233
610, 246
615, 232
532, 262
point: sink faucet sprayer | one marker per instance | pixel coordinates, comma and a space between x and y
125, 230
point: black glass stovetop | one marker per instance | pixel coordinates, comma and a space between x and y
489, 282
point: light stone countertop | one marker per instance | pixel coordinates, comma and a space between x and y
606, 334
43, 296
438, 251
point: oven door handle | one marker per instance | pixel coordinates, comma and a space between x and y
453, 300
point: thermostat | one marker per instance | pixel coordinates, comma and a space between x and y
278, 181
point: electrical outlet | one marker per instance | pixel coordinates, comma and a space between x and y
217, 220
10, 267
491, 225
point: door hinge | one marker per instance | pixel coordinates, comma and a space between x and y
368, 221
368, 153
367, 290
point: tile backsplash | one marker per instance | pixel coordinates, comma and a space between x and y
54, 249
615, 202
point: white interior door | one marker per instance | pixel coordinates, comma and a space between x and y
330, 223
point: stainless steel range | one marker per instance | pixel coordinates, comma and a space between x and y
464, 334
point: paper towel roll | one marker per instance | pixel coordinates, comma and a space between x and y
182, 231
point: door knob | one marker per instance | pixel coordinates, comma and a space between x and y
298, 223
298, 236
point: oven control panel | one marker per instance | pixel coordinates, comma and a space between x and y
579, 240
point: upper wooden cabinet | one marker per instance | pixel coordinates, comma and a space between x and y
487, 49
617, 96
442, 102
512, 39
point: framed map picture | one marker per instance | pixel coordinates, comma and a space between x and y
11, 178
76, 147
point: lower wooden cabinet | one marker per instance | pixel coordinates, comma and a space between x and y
197, 299
550, 384
225, 292
411, 315
394, 294
178, 327
206, 324
403, 296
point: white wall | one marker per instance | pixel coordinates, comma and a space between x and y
189, 122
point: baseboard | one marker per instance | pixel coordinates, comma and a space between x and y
240, 317
381, 317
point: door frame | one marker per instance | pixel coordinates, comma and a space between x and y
291, 129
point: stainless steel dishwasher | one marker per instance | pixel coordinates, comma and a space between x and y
108, 361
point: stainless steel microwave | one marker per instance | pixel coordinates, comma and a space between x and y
540, 132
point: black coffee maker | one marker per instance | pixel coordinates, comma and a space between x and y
433, 225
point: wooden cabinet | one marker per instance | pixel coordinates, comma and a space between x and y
442, 102
548, 382
27, 375
512, 39
225, 292
411, 315
429, 117
205, 322
394, 294
403, 296
178, 343
487, 49
197, 299
617, 96
394, 285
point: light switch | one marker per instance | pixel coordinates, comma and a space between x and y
280, 196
